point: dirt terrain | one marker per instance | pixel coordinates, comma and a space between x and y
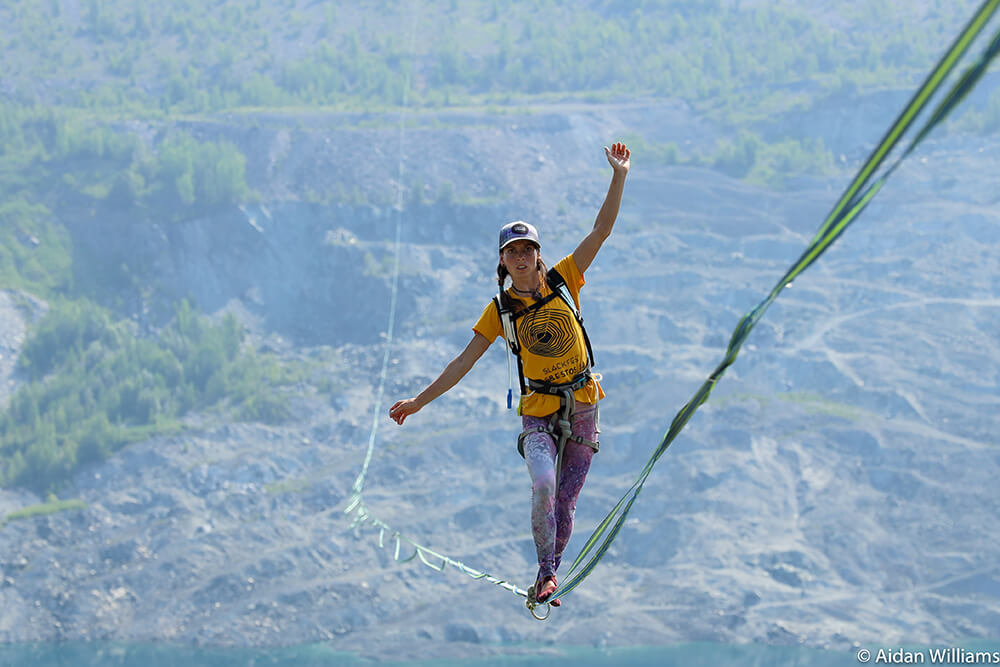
836, 490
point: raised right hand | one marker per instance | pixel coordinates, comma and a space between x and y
619, 157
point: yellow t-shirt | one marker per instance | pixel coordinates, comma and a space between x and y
552, 344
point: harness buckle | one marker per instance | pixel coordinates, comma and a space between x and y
579, 382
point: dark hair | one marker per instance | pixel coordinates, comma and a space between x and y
505, 299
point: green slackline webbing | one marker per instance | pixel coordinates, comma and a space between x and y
852, 202
362, 517
356, 503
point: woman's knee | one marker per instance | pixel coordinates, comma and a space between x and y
543, 484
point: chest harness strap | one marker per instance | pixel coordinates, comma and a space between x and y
560, 425
508, 318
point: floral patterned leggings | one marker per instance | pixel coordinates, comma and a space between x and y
552, 509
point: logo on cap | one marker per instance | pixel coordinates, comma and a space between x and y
514, 231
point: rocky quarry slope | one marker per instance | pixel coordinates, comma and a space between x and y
837, 489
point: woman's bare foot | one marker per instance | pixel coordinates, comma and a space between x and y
544, 589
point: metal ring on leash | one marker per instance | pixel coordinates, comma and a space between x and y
530, 604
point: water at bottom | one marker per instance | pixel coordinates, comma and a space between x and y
86, 654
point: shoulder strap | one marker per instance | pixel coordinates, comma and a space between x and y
507, 321
510, 335
558, 286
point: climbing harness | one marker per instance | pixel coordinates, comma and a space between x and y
560, 425
508, 318
854, 200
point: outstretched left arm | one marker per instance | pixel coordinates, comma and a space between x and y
618, 156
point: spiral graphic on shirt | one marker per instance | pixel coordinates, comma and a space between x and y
547, 332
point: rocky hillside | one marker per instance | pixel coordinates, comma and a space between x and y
835, 490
